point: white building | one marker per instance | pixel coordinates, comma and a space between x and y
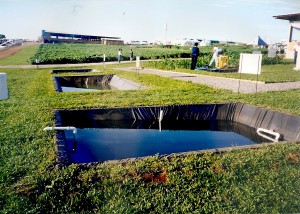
294, 24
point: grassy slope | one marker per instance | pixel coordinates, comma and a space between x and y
21, 57
260, 180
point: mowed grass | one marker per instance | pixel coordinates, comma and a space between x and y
269, 73
21, 57
264, 180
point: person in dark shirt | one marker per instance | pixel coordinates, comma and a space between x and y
195, 54
131, 55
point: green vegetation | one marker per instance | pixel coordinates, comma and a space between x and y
85, 53
21, 57
264, 180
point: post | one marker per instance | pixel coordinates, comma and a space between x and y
160, 119
137, 64
290, 33
104, 61
166, 29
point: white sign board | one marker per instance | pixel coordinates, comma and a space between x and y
137, 59
103, 57
250, 63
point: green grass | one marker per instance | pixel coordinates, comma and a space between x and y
269, 73
249, 181
21, 57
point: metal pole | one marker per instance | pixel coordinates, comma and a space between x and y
104, 61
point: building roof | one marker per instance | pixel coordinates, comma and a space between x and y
78, 36
290, 17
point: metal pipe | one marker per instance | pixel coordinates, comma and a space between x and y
63, 128
270, 132
160, 118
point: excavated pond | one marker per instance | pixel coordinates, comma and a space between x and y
93, 83
126, 133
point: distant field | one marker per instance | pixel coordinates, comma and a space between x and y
85, 53
88, 53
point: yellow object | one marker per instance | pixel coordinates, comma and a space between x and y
223, 61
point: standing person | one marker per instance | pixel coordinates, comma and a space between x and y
215, 57
195, 54
296, 48
131, 55
120, 55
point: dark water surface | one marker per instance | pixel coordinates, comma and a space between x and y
101, 144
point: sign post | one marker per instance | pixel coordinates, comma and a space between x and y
137, 64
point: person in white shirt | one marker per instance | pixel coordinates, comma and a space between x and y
215, 58
120, 55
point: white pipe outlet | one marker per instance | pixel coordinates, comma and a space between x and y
261, 131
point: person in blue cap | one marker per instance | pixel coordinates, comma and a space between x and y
195, 54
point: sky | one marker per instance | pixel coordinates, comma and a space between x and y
146, 20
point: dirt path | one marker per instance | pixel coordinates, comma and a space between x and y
12, 50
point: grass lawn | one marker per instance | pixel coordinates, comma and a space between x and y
269, 73
21, 57
248, 181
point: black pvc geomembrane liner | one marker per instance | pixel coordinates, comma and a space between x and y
56, 71
237, 117
93, 82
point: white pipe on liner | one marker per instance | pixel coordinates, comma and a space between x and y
161, 114
61, 128
160, 118
271, 132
